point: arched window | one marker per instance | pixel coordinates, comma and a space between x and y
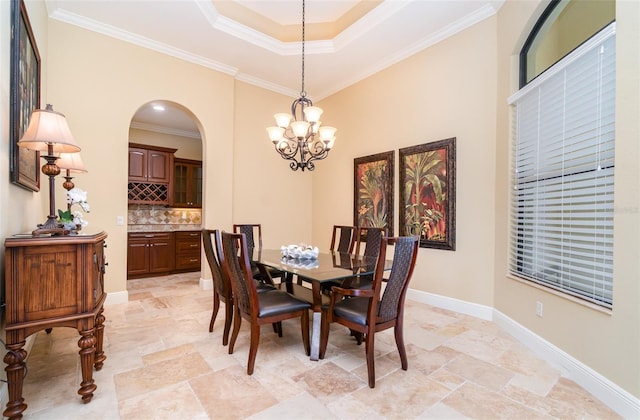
562, 27
561, 224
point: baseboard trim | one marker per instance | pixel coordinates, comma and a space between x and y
206, 284
113, 298
456, 305
619, 400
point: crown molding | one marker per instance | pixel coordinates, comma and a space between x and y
113, 32
448, 31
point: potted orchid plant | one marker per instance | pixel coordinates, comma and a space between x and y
74, 219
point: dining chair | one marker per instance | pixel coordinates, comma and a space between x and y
344, 237
221, 284
253, 233
367, 244
369, 311
222, 291
257, 308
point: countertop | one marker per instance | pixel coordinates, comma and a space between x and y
162, 228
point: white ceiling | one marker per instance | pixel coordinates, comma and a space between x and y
197, 31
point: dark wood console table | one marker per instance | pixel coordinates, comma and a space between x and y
55, 281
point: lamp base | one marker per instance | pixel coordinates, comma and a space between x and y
50, 227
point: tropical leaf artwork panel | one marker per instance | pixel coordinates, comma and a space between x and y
373, 191
427, 193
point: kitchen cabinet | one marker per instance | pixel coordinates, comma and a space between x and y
187, 183
187, 251
150, 253
150, 163
150, 174
55, 281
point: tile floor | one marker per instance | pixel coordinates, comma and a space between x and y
162, 363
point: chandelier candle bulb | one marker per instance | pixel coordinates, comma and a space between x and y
327, 133
312, 113
282, 120
275, 133
300, 128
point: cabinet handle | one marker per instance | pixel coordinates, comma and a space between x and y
194, 245
192, 260
148, 236
194, 234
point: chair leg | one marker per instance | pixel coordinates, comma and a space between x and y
216, 306
253, 347
304, 323
371, 367
237, 320
400, 344
324, 332
228, 306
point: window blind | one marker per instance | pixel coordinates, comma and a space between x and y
561, 227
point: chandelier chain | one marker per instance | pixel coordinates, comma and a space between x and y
302, 92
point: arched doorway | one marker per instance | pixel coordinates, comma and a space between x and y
165, 191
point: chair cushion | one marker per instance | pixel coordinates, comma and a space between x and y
278, 302
353, 309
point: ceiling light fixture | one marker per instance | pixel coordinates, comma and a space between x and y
304, 136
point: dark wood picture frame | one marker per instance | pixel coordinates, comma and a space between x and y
373, 185
24, 164
428, 193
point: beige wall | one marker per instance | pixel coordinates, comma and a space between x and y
448, 90
100, 83
265, 190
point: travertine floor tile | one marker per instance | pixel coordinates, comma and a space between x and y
163, 363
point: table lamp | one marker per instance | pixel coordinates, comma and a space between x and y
48, 132
72, 163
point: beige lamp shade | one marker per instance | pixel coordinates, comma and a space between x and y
48, 127
72, 162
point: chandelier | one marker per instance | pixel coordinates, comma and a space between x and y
299, 136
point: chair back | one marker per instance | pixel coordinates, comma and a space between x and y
238, 267
372, 237
253, 233
345, 237
404, 259
220, 279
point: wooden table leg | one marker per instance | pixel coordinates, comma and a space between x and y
99, 355
87, 344
15, 376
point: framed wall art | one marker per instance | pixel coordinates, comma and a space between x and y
428, 193
373, 191
25, 97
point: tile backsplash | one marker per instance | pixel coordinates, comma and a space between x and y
144, 217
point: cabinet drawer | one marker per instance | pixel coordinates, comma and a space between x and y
186, 236
188, 261
187, 246
151, 235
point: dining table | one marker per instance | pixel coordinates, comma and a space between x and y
313, 274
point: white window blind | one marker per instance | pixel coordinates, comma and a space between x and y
563, 172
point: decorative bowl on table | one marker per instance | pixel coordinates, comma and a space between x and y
301, 252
